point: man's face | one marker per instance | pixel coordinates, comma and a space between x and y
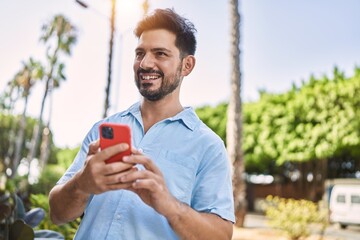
157, 65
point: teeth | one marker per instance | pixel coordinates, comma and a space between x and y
149, 77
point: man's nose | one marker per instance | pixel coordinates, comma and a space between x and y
147, 62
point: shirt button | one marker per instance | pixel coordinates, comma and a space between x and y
140, 150
118, 217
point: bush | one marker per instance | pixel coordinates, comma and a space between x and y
295, 217
48, 178
67, 230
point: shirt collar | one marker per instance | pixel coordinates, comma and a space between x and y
187, 116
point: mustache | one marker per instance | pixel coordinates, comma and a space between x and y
141, 70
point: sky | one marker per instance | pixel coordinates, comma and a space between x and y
282, 42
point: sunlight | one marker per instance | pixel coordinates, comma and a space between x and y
128, 13
31, 170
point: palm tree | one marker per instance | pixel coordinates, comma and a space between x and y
24, 80
111, 43
8, 99
59, 36
234, 121
20, 87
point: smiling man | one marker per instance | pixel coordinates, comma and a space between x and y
177, 183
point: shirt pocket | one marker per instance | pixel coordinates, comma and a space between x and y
179, 172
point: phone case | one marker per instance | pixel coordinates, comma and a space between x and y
112, 134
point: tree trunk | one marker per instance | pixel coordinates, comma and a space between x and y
234, 122
111, 43
45, 147
19, 140
39, 126
13, 128
45, 144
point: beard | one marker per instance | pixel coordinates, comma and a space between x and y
168, 84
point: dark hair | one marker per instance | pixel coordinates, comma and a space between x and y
168, 19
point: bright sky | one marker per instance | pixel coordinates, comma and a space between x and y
281, 42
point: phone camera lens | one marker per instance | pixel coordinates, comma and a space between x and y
107, 132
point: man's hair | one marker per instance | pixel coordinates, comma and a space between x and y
169, 20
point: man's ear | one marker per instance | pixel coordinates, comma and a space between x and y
188, 65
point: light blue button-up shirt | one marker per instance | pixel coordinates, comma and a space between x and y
195, 166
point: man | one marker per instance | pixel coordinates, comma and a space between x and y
181, 185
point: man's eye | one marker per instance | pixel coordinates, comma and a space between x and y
139, 55
160, 54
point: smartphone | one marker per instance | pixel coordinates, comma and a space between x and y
112, 134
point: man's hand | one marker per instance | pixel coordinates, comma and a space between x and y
149, 183
68, 200
150, 186
96, 176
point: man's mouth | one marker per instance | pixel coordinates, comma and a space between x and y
148, 77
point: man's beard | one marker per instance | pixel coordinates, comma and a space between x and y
168, 84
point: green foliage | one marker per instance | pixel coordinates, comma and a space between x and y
8, 125
48, 178
317, 120
66, 156
295, 217
59, 36
67, 230
53, 172
11, 226
215, 118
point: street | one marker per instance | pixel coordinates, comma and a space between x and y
334, 231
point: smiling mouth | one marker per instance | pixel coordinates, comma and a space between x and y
148, 77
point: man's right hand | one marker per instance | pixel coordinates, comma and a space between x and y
96, 176
68, 201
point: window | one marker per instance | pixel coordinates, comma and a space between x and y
340, 198
355, 199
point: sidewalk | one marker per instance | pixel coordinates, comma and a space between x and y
255, 228
257, 234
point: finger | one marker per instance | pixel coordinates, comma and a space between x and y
94, 147
140, 175
111, 151
135, 151
148, 184
117, 167
145, 161
117, 178
118, 186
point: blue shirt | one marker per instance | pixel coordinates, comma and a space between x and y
193, 160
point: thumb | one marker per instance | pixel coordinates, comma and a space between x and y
94, 147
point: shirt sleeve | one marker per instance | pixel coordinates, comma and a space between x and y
80, 158
213, 187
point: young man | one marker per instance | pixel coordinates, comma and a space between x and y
181, 185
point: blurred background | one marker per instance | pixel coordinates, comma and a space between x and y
281, 43
66, 64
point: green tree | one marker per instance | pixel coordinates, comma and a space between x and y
9, 124
53, 171
315, 121
24, 81
215, 118
318, 120
59, 35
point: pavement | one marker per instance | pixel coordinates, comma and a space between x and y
256, 228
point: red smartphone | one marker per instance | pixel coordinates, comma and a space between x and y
112, 134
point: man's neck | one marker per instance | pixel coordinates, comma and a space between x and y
156, 111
